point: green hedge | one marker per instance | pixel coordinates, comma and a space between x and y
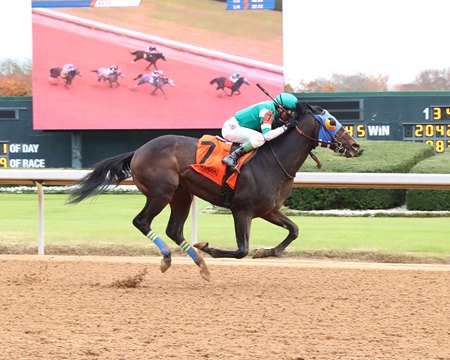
428, 200
377, 157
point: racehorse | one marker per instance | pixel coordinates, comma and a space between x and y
152, 58
158, 83
106, 75
56, 72
222, 83
161, 171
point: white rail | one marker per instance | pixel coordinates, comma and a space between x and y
42, 177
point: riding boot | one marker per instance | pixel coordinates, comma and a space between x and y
232, 159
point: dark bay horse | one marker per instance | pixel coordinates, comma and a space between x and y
161, 171
106, 75
158, 83
152, 58
57, 72
222, 83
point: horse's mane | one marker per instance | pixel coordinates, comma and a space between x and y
305, 107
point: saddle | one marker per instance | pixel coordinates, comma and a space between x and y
210, 152
228, 83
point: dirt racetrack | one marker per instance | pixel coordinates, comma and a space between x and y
87, 308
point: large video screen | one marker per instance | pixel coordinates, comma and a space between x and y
91, 39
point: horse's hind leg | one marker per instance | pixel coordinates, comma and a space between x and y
242, 223
180, 206
278, 218
143, 221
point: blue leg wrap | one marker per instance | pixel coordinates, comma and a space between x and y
190, 251
158, 242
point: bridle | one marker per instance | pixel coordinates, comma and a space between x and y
334, 145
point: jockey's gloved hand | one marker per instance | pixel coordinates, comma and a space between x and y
291, 122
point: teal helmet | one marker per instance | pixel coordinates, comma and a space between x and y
287, 100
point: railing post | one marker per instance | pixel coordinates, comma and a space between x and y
41, 240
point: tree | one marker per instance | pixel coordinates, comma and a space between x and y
15, 78
437, 80
345, 83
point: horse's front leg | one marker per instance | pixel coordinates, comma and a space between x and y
278, 218
242, 231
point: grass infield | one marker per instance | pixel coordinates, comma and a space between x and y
103, 226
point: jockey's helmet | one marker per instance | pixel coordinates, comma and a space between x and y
159, 72
288, 102
113, 67
236, 75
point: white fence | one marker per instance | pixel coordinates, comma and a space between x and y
39, 178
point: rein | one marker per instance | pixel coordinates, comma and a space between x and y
279, 162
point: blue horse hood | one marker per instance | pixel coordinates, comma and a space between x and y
327, 131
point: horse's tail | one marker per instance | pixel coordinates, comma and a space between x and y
213, 81
94, 71
138, 77
111, 171
133, 53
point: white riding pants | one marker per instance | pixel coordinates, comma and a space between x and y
232, 131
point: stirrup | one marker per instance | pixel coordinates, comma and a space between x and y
232, 166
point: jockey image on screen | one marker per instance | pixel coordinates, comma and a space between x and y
156, 74
234, 77
231, 80
151, 49
66, 68
112, 69
256, 124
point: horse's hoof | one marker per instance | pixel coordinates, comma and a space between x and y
166, 261
201, 245
260, 253
204, 271
205, 274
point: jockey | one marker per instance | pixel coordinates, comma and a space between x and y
254, 125
156, 74
112, 69
234, 77
66, 68
151, 50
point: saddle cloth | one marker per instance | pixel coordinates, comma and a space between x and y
210, 152
228, 83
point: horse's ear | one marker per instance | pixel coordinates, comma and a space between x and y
315, 109
302, 108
